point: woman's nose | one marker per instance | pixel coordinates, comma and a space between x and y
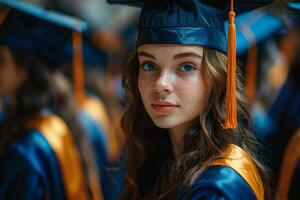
163, 85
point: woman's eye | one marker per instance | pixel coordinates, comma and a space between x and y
148, 67
186, 68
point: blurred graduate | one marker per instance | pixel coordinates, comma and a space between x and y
94, 112
44, 152
285, 112
187, 123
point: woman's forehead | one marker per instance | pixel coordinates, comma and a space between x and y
170, 49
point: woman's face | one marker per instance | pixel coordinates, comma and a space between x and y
11, 77
172, 84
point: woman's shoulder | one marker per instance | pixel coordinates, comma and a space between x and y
30, 165
32, 151
233, 176
33, 146
219, 182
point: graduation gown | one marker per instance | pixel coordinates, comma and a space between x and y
109, 161
285, 111
30, 170
111, 173
234, 177
43, 164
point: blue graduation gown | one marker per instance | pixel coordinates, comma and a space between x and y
285, 111
29, 170
234, 176
219, 182
111, 174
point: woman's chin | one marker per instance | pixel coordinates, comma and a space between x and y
165, 122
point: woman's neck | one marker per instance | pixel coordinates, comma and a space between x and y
177, 135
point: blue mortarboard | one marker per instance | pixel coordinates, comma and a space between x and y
38, 31
195, 22
251, 29
93, 56
189, 22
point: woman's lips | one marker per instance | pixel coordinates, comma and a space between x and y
163, 106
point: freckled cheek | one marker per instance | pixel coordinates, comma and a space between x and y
145, 85
193, 94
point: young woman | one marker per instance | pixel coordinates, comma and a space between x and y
44, 153
178, 146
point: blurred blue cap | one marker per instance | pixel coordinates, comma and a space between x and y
188, 22
38, 31
255, 27
93, 56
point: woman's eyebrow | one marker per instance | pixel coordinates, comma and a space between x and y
142, 53
187, 54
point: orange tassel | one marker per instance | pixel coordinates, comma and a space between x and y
78, 71
251, 74
231, 113
78, 79
3, 15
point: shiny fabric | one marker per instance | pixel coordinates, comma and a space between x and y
237, 159
31, 167
60, 138
29, 170
171, 22
219, 182
186, 22
242, 5
184, 35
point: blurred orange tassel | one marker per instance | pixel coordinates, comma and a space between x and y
251, 73
78, 76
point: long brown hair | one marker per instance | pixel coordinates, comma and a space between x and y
152, 172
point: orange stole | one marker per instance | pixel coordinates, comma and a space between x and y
96, 109
237, 159
59, 137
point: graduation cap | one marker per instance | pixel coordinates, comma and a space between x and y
93, 56
251, 30
44, 33
35, 30
195, 22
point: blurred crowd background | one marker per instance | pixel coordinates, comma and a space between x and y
268, 50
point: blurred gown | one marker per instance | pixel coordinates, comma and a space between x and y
285, 113
30, 169
222, 181
111, 173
